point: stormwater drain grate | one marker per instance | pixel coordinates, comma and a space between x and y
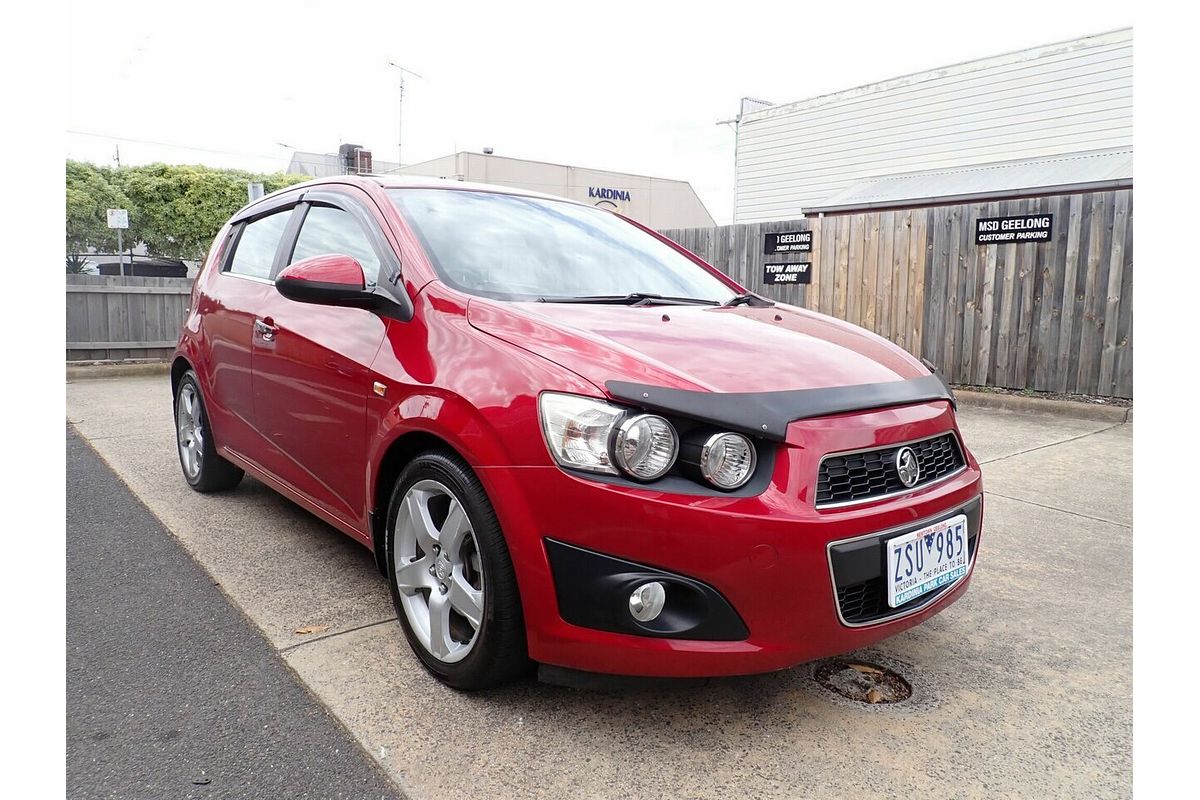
864, 682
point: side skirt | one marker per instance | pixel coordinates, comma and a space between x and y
346, 527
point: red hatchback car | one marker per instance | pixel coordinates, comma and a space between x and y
569, 440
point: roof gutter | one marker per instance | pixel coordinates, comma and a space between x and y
955, 199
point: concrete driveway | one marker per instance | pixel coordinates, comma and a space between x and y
1022, 688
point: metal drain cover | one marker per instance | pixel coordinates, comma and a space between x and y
863, 681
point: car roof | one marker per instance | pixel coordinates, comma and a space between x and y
423, 182
426, 182
395, 182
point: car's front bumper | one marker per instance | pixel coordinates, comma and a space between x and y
768, 556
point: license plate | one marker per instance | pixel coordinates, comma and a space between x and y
926, 559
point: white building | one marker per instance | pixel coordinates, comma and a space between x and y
1052, 118
655, 202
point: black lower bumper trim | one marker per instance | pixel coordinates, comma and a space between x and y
593, 592
605, 682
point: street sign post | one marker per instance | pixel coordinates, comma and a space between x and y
119, 218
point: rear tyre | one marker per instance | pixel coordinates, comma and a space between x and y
203, 468
451, 576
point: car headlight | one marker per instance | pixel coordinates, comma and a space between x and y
645, 446
727, 460
578, 430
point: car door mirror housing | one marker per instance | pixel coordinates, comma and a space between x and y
330, 280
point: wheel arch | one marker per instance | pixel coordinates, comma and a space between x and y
420, 422
396, 456
179, 367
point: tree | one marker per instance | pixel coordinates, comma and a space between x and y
174, 210
91, 191
181, 208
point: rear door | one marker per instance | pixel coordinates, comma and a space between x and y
236, 295
312, 363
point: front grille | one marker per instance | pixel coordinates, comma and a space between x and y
867, 601
862, 601
858, 477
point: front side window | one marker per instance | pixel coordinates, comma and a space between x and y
527, 248
329, 230
255, 250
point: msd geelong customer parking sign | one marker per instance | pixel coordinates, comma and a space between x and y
1011, 230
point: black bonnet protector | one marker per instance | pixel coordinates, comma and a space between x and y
768, 414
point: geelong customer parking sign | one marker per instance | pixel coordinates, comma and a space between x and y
1012, 230
787, 242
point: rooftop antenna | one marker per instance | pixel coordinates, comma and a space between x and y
400, 112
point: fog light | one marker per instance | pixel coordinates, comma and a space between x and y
647, 601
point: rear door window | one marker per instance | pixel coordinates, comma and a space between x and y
327, 230
254, 253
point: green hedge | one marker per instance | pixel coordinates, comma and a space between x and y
175, 210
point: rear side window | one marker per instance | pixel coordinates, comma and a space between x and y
329, 230
255, 251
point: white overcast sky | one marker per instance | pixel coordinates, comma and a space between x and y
633, 87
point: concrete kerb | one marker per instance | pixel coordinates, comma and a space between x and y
86, 370
1040, 405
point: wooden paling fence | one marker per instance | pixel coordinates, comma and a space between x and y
1050, 316
112, 317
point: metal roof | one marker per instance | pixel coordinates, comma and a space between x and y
1091, 171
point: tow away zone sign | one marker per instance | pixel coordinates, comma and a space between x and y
1012, 230
787, 272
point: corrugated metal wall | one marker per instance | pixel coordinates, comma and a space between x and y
1063, 98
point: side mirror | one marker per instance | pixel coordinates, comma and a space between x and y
329, 280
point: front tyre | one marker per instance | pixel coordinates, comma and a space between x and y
203, 468
451, 575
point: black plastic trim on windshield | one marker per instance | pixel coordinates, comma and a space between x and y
748, 299
768, 414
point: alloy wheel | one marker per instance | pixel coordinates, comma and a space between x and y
439, 572
189, 423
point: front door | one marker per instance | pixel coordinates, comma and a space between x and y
312, 368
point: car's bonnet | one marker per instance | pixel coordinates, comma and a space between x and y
740, 349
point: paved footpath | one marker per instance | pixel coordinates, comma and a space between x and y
171, 691
1021, 689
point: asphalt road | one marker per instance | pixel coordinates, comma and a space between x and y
171, 691
1020, 689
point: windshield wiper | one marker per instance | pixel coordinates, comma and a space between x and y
747, 299
631, 299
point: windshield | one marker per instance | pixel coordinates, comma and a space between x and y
526, 248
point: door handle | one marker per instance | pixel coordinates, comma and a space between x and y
265, 329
